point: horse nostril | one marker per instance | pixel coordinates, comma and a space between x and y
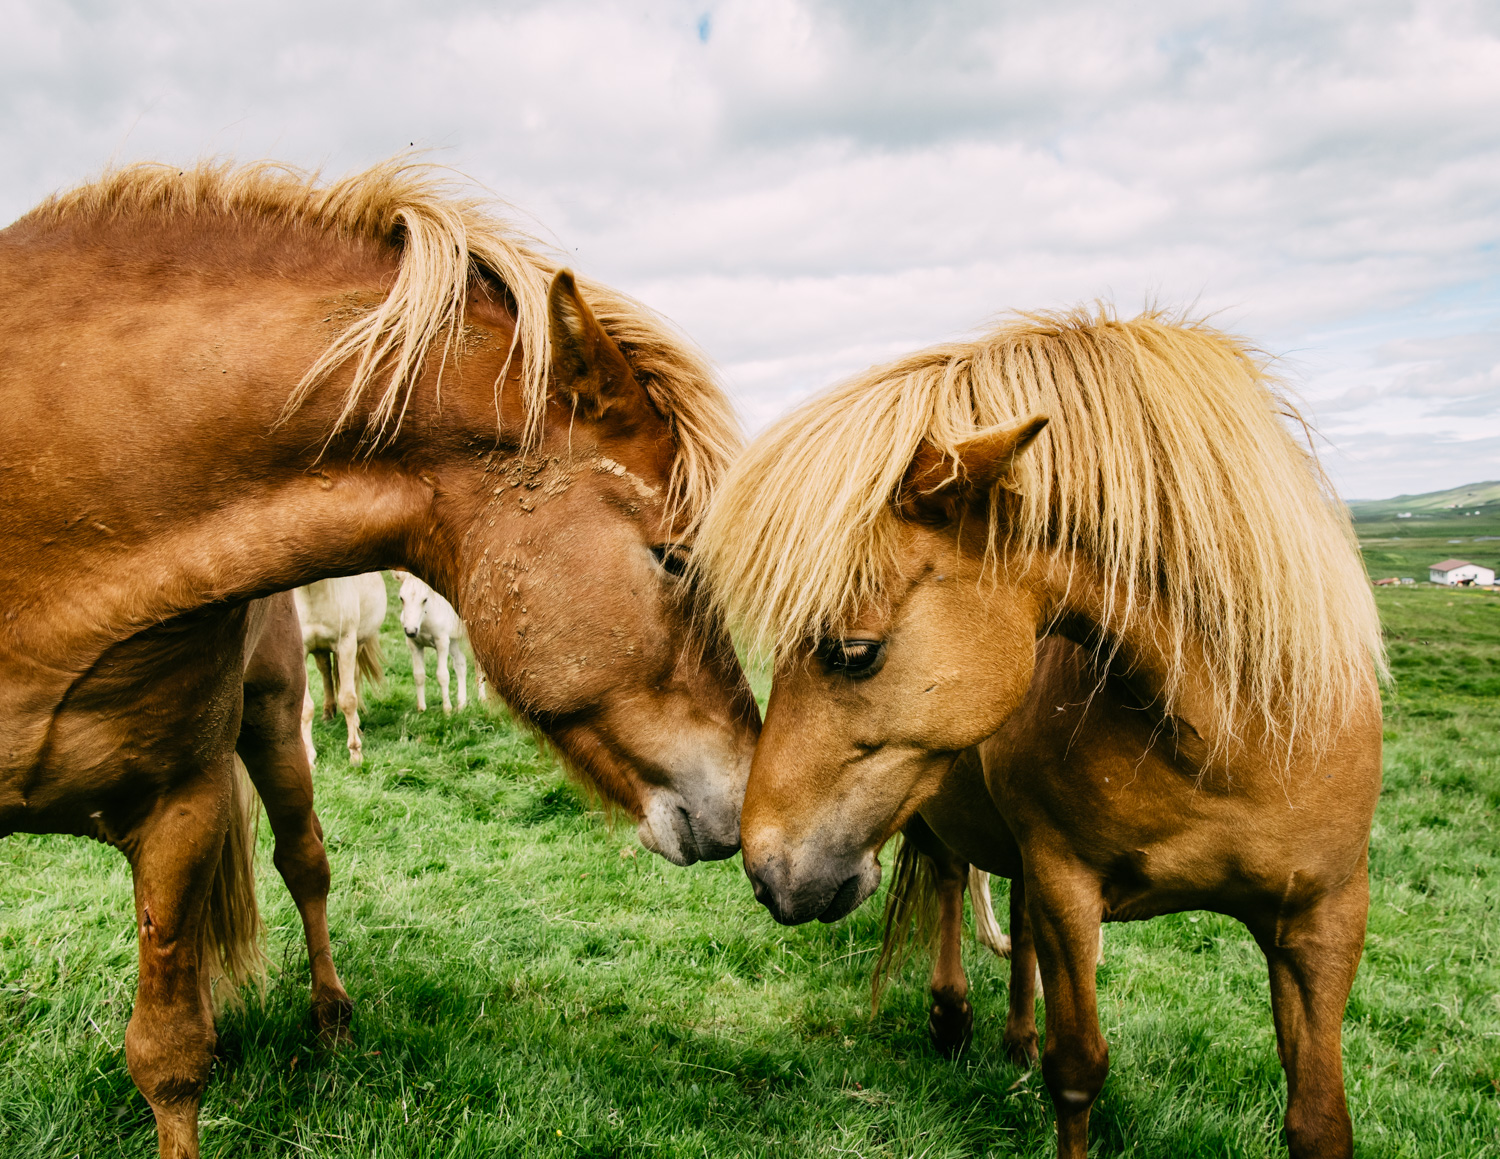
685, 833
411, 631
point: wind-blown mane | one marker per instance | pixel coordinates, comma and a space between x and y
1167, 469
444, 239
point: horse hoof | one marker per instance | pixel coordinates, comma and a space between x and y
328, 714
331, 1020
1021, 1049
356, 758
950, 1027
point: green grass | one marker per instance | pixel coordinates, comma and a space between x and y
529, 982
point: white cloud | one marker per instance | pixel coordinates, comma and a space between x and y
809, 187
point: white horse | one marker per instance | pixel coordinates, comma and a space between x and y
429, 621
341, 621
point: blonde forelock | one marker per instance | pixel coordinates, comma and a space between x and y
1169, 466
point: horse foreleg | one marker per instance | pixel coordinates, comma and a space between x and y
951, 1020
1021, 1039
481, 685
418, 672
283, 778
461, 674
442, 672
349, 693
169, 1042
1313, 956
1063, 908
324, 661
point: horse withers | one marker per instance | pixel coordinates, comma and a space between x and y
1198, 726
220, 383
429, 621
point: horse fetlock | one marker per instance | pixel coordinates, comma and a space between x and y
1075, 1075
1323, 1130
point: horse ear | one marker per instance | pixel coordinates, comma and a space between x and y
587, 365
938, 487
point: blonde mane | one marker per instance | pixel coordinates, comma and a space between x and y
444, 237
1168, 468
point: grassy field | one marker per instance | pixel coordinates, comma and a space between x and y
529, 982
1398, 547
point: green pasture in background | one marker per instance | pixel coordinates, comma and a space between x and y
528, 981
1407, 535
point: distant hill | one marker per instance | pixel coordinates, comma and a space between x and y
1472, 497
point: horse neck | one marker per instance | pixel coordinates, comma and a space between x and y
1133, 643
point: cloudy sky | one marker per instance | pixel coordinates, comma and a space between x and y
809, 187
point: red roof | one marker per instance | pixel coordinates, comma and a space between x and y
1450, 564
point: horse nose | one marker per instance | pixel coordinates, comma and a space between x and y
411, 632
827, 889
769, 879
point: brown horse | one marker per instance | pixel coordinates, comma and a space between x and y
1147, 616
222, 383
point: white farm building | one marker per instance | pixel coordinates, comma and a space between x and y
1460, 571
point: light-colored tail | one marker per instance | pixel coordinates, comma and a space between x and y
986, 928
911, 900
370, 661
232, 930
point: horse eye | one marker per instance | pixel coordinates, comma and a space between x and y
856, 659
672, 557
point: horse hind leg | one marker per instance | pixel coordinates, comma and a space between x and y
418, 672
461, 674
442, 673
170, 1040
951, 1020
307, 729
1021, 1041
324, 661
348, 697
283, 778
1312, 956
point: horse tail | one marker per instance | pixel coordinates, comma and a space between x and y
911, 899
232, 929
986, 928
370, 660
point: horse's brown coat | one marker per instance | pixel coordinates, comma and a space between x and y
1198, 728
156, 484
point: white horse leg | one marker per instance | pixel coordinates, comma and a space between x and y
418, 672
461, 670
349, 692
442, 671
481, 685
307, 718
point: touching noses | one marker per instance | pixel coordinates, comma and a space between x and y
799, 885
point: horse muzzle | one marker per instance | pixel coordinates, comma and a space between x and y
672, 827
811, 884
